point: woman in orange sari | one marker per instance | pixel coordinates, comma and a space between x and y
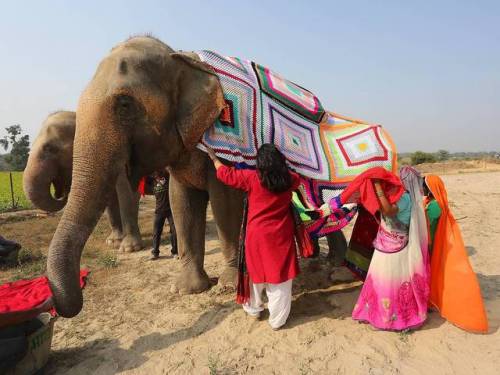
455, 290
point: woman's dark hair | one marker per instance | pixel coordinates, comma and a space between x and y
427, 191
272, 169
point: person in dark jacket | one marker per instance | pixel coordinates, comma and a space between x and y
162, 212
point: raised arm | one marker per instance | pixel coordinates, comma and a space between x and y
386, 208
237, 179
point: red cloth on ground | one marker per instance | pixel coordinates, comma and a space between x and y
361, 190
270, 250
24, 295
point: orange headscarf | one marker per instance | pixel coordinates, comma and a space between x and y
454, 287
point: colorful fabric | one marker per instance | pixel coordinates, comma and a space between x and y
361, 190
339, 218
396, 291
327, 150
243, 287
360, 251
302, 238
299, 207
455, 290
392, 234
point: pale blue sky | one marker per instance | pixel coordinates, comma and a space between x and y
429, 71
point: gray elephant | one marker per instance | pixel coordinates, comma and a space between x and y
146, 108
50, 164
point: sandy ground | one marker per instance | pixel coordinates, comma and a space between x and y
132, 324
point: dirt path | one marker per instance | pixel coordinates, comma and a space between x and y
132, 324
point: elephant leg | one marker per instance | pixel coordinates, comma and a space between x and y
129, 211
337, 247
189, 209
227, 207
115, 222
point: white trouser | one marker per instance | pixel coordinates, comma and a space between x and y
279, 301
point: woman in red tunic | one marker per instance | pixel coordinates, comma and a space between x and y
270, 251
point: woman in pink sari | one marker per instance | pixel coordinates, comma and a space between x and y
395, 293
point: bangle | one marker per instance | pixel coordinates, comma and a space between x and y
380, 193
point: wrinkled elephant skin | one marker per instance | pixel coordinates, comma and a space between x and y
146, 108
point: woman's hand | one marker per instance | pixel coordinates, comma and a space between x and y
377, 185
214, 158
211, 154
325, 210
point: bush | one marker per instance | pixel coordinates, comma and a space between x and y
443, 155
420, 157
19, 147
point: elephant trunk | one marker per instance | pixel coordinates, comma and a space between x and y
38, 177
99, 152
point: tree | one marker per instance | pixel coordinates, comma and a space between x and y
443, 155
20, 147
420, 157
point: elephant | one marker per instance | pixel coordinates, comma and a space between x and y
145, 108
50, 163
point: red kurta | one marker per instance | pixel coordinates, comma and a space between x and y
270, 250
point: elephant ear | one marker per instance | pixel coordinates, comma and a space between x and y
200, 98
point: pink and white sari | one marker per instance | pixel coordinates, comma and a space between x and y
396, 290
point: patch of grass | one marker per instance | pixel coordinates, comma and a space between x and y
108, 260
305, 368
20, 200
213, 363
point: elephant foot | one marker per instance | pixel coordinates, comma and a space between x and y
114, 239
131, 243
191, 281
229, 277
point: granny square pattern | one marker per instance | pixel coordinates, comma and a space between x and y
327, 150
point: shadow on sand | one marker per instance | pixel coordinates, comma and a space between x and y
490, 288
63, 360
315, 296
471, 250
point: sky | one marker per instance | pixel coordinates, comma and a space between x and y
428, 71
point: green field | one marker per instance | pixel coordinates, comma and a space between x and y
20, 200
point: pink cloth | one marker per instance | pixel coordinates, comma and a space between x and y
396, 291
390, 240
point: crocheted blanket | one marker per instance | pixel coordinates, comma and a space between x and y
327, 150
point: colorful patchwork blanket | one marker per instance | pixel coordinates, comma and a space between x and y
327, 150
